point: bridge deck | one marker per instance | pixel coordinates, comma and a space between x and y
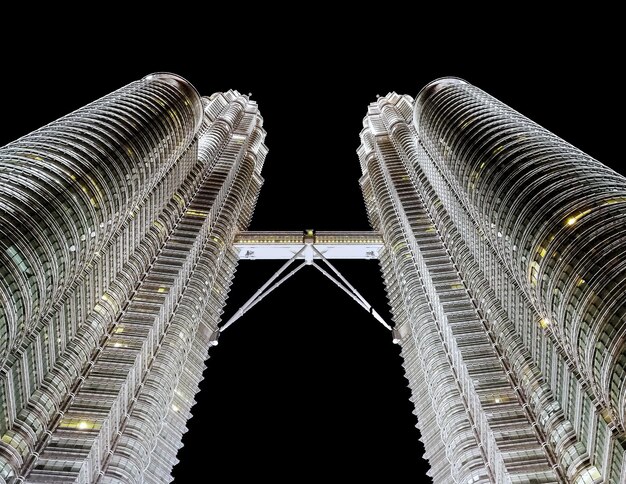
283, 245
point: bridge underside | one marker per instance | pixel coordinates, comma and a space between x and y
302, 249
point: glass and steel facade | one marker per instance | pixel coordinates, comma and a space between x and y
505, 269
502, 255
116, 229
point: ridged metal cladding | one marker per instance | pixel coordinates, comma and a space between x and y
184, 86
67, 187
429, 90
554, 215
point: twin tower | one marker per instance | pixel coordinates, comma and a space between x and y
501, 247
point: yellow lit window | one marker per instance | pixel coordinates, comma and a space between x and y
534, 272
606, 416
159, 226
179, 200
571, 220
100, 309
196, 213
79, 424
466, 123
614, 200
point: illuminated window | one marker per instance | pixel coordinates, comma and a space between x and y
79, 424
196, 213
159, 226
571, 220
534, 272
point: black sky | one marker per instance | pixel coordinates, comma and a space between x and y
307, 385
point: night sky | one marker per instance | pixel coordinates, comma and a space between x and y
307, 384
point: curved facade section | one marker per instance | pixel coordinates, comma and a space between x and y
431, 89
192, 96
68, 187
554, 215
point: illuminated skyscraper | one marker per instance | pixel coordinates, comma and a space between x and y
115, 259
505, 268
501, 248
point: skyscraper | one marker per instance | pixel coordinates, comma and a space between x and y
505, 270
500, 247
115, 260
